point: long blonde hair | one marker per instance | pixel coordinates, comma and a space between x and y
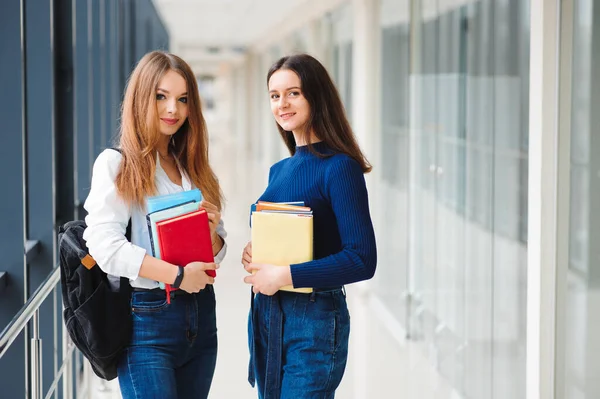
140, 135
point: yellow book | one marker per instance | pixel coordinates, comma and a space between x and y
282, 239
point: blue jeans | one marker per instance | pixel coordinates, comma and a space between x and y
173, 348
299, 344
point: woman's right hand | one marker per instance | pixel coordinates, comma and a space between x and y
195, 277
247, 256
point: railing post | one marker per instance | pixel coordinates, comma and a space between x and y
36, 358
68, 373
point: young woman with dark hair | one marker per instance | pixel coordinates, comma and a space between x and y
299, 342
163, 150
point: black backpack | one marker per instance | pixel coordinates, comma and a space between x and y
97, 318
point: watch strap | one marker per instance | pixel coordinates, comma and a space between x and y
179, 278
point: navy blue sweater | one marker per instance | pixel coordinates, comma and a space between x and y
334, 187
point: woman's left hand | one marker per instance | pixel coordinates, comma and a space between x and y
268, 279
214, 217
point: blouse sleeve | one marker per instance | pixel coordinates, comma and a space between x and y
223, 234
107, 219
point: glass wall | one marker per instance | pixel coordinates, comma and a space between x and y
392, 235
583, 295
342, 22
468, 191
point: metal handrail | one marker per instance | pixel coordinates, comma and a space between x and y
19, 322
31, 311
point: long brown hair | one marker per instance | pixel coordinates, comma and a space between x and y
140, 135
327, 117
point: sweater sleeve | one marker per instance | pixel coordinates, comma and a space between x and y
347, 191
107, 219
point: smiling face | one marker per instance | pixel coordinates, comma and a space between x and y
171, 102
289, 106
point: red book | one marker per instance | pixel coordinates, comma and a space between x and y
184, 239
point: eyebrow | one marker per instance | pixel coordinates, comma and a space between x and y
167, 91
289, 88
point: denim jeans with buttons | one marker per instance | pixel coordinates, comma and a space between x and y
298, 344
173, 348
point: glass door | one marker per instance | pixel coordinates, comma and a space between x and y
449, 175
468, 191
424, 87
393, 234
582, 326
450, 194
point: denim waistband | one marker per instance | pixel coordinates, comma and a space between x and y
328, 289
160, 291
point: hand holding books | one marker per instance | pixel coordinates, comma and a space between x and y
282, 234
214, 217
180, 233
247, 257
196, 276
267, 279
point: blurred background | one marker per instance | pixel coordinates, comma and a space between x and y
454, 103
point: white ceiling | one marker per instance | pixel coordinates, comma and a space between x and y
208, 32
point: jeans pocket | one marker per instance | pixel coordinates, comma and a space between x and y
342, 326
142, 302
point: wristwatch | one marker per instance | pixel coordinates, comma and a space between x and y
179, 278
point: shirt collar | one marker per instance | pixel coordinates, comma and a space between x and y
186, 184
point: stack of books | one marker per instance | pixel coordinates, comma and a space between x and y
282, 234
179, 230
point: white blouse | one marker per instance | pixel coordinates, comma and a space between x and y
108, 216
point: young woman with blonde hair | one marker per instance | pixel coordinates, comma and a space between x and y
163, 149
